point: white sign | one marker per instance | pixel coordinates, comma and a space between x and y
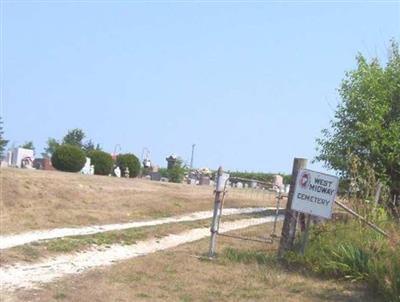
315, 193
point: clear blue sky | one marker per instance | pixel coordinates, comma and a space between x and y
251, 84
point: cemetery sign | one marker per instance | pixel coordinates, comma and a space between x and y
315, 193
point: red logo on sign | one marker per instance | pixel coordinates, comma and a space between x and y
304, 179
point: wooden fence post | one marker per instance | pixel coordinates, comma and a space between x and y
289, 224
304, 240
216, 215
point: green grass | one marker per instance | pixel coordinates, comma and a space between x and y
35, 250
69, 244
354, 252
248, 256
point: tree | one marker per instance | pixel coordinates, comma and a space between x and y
68, 158
74, 137
366, 127
129, 161
52, 145
28, 145
177, 172
3, 142
90, 146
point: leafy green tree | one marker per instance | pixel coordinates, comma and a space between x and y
90, 146
28, 145
287, 178
366, 127
177, 172
52, 145
74, 137
3, 142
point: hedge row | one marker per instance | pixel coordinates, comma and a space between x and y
70, 158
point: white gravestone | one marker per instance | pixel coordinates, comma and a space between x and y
86, 170
117, 172
19, 154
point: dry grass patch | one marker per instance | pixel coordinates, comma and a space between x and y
32, 199
247, 271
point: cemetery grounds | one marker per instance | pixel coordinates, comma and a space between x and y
33, 201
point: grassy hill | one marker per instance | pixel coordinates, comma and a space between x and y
33, 199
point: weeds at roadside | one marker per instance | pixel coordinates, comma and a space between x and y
353, 252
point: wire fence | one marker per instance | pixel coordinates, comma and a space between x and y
258, 194
237, 192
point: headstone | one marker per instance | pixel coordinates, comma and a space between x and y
204, 181
253, 184
86, 168
126, 172
155, 176
19, 154
117, 172
239, 185
191, 181
146, 163
27, 163
38, 163
246, 185
9, 158
91, 169
278, 182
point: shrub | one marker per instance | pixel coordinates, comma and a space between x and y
131, 161
68, 158
355, 252
102, 162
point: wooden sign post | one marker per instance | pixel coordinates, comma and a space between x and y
289, 224
313, 194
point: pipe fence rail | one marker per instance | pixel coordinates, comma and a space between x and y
238, 191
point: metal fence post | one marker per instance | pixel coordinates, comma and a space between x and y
216, 216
